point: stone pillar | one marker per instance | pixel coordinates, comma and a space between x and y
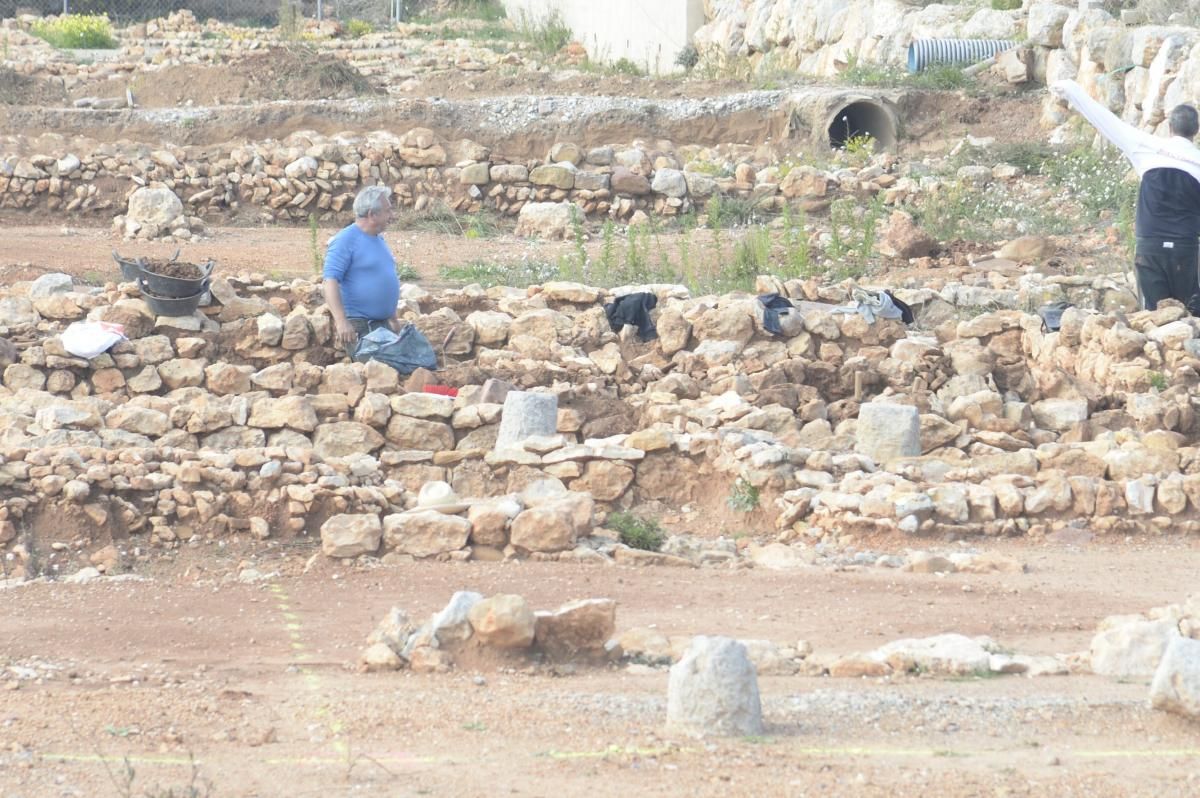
526, 414
887, 431
713, 689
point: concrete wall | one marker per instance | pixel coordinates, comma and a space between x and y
650, 33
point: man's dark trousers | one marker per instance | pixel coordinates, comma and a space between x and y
1168, 270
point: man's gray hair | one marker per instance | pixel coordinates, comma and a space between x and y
1184, 121
370, 200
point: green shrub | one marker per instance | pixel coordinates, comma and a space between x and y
1006, 5
688, 57
624, 66
357, 28
76, 32
1033, 157
743, 496
938, 76
637, 533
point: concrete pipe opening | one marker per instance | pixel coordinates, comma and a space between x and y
862, 118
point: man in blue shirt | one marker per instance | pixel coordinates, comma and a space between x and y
361, 287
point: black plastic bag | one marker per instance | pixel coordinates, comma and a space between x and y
405, 351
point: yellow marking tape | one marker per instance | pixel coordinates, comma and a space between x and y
136, 759
311, 680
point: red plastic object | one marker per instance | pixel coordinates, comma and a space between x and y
441, 390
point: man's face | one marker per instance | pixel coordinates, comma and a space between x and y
380, 218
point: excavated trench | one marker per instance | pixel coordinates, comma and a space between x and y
516, 127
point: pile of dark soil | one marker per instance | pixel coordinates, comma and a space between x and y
301, 72
173, 268
294, 72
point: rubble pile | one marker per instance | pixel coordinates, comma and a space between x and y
503, 626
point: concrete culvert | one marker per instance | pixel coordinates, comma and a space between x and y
862, 118
828, 117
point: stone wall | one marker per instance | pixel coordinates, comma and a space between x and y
243, 419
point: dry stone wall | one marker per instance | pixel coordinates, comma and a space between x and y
244, 419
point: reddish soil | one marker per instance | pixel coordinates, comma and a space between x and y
257, 684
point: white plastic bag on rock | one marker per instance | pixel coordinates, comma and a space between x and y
87, 339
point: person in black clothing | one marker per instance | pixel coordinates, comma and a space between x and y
1167, 224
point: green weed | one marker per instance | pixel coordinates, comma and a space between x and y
486, 10
711, 168
517, 273
406, 271
1158, 380
797, 261
608, 249
938, 76
441, 218
637, 533
743, 497
314, 246
578, 236
859, 148
622, 66
852, 233
725, 212
547, 35
76, 32
1033, 157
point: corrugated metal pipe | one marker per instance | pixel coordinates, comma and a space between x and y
926, 52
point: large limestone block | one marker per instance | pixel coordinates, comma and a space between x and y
1131, 648
503, 621
606, 480
1059, 414
713, 689
414, 433
490, 520
886, 431
950, 654
344, 438
552, 525
17, 311
139, 420
491, 326
545, 220
154, 206
423, 405
351, 534
293, 412
578, 630
1045, 23
1176, 685
426, 533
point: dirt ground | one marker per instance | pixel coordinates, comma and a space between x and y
190, 677
182, 680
